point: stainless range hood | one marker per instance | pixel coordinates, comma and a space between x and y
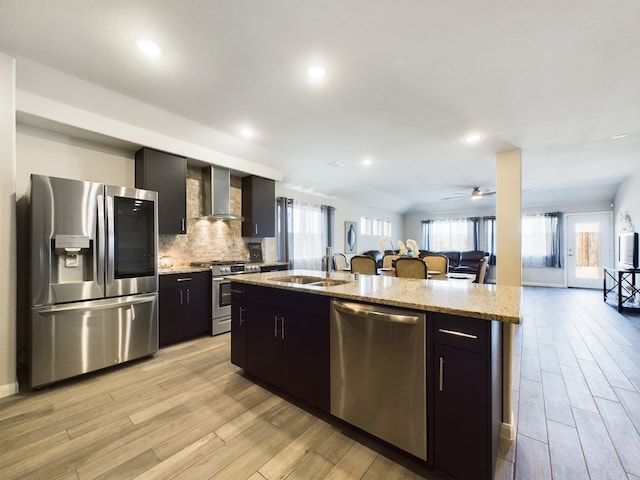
216, 194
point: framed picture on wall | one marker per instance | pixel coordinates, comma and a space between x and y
350, 237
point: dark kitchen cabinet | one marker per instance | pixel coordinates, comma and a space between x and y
167, 175
274, 268
287, 342
239, 324
185, 307
258, 207
467, 396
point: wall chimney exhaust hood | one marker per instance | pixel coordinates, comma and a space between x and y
216, 194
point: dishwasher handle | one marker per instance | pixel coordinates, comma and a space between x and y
358, 310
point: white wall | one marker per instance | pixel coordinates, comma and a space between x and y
8, 331
628, 201
47, 153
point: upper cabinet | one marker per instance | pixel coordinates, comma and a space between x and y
258, 207
167, 175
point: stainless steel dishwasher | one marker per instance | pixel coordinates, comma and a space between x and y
378, 372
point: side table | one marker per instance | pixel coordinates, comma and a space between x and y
622, 283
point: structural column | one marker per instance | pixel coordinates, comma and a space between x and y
509, 261
8, 382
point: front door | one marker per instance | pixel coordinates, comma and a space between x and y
589, 248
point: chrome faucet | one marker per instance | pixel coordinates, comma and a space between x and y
328, 260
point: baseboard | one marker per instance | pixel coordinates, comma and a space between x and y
508, 430
9, 389
538, 284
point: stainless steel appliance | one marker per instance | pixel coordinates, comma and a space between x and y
94, 277
221, 290
378, 372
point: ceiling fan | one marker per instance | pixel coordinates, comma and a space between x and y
477, 193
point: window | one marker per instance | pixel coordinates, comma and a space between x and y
450, 234
542, 240
304, 232
377, 227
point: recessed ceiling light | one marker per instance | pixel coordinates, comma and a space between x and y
619, 136
149, 48
472, 138
367, 161
316, 73
246, 132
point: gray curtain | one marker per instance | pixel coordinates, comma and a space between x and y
284, 232
553, 230
475, 221
490, 238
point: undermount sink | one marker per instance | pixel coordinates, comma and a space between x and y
310, 280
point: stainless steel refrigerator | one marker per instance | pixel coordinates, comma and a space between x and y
93, 277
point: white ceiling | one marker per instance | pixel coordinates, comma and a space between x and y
407, 81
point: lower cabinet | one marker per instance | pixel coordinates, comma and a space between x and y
286, 337
185, 307
239, 324
467, 398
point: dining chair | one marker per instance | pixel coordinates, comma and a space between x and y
387, 260
340, 261
481, 274
364, 264
411, 267
439, 263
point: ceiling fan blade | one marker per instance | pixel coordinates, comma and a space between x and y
457, 197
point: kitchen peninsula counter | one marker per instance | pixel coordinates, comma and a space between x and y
454, 297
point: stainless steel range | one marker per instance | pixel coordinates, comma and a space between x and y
221, 290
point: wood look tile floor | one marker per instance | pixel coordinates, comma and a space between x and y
188, 413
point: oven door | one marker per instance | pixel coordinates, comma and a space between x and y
221, 311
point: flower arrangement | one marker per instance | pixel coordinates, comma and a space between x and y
403, 247
382, 242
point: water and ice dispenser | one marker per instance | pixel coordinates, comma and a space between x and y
73, 256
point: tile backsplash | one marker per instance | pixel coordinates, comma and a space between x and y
208, 239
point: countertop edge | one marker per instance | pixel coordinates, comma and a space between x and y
255, 279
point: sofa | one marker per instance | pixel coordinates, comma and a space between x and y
459, 261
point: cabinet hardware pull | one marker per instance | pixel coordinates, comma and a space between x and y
441, 375
275, 326
238, 292
242, 310
282, 320
255, 228
185, 279
458, 334
181, 299
182, 225
188, 296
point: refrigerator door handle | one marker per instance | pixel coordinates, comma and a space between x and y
109, 238
100, 236
95, 305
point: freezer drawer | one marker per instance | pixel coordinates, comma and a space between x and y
76, 338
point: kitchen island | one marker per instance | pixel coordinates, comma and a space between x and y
284, 332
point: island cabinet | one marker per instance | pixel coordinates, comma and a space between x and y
166, 174
184, 307
287, 341
238, 324
258, 207
467, 395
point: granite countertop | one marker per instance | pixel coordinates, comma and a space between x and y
452, 296
182, 269
191, 269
